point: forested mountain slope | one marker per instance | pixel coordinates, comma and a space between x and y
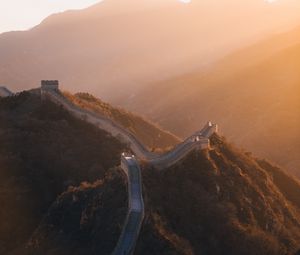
43, 151
221, 201
62, 193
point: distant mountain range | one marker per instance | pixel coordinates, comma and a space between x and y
254, 94
140, 55
113, 49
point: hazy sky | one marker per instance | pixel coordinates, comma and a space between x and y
24, 14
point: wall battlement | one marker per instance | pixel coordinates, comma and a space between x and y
209, 129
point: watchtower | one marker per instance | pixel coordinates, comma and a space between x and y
50, 85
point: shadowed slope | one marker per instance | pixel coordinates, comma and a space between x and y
84, 220
219, 202
211, 202
43, 150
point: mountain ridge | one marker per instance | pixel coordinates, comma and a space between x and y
136, 50
261, 97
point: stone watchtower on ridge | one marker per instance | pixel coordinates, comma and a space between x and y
47, 86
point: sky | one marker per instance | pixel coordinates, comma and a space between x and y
24, 14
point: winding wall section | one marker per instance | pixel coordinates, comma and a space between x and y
199, 140
135, 215
129, 164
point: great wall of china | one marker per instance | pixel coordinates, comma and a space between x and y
136, 211
129, 164
4, 92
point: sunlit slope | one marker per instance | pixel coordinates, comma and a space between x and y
257, 104
151, 135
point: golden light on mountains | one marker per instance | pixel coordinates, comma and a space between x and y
150, 127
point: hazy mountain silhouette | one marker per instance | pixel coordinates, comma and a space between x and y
114, 48
254, 94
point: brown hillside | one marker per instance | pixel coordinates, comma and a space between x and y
221, 202
217, 202
43, 150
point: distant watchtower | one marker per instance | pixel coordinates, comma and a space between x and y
49, 85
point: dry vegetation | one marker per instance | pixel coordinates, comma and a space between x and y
43, 151
60, 198
84, 220
148, 133
221, 202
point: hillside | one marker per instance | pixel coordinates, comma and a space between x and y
218, 202
61, 193
253, 94
114, 48
84, 220
221, 202
148, 133
43, 151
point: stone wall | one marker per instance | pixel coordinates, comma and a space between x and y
199, 140
136, 210
4, 92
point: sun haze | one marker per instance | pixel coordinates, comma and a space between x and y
20, 15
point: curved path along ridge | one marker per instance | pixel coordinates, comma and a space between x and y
135, 215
